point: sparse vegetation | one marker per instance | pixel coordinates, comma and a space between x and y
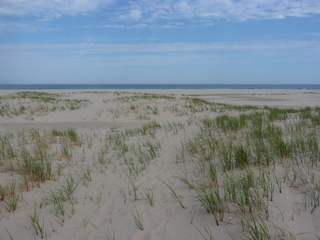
137, 217
37, 103
230, 164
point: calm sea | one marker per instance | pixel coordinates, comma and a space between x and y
157, 86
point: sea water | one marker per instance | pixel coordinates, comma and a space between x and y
157, 86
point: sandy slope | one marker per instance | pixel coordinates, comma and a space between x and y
106, 203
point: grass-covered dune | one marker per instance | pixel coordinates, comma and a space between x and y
160, 164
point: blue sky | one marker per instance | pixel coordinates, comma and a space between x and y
160, 41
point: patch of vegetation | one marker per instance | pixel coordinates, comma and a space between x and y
30, 103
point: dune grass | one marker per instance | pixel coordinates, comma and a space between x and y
32, 103
236, 162
137, 217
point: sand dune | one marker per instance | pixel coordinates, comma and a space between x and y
139, 164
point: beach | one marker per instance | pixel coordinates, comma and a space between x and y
160, 164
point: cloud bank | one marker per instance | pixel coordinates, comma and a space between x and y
148, 11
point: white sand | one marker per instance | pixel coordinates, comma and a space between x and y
106, 203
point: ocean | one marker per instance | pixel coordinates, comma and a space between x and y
156, 86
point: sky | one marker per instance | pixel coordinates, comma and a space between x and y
160, 42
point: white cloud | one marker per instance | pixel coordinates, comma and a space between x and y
229, 9
135, 14
162, 12
50, 8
